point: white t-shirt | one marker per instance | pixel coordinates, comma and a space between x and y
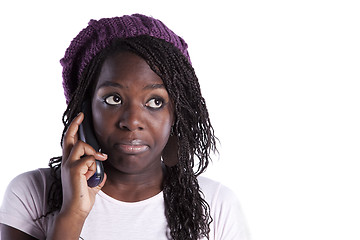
26, 197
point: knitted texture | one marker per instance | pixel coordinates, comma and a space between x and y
100, 33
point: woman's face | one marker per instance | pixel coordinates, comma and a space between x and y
132, 114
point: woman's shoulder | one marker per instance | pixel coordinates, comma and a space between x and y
215, 191
24, 202
34, 178
29, 190
228, 219
31, 183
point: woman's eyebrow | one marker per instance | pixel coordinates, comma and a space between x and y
118, 85
111, 84
154, 86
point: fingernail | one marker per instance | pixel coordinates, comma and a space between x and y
104, 155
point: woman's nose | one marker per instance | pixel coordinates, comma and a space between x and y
131, 118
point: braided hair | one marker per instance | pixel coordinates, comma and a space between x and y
187, 212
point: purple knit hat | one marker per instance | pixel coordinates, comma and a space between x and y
99, 34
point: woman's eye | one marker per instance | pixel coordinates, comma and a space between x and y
113, 100
155, 103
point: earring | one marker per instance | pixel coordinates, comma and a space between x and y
172, 131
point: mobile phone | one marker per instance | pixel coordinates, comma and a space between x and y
86, 134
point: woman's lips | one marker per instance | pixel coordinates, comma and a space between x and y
132, 147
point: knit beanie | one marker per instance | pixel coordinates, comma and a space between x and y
100, 33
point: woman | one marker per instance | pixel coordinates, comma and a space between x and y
151, 123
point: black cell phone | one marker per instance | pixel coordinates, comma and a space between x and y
86, 134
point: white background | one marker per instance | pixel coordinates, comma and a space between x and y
281, 80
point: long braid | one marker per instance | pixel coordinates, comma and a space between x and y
187, 213
73, 108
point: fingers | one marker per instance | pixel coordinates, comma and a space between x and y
78, 156
82, 159
75, 173
71, 136
81, 149
71, 142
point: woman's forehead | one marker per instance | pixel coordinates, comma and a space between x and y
126, 68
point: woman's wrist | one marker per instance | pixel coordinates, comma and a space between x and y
67, 226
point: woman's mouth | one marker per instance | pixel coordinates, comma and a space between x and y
132, 147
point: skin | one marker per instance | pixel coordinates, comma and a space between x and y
132, 115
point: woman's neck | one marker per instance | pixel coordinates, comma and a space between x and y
133, 187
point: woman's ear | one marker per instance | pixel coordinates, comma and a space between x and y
170, 152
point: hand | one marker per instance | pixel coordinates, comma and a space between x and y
78, 165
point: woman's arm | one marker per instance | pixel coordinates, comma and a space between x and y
10, 233
78, 165
66, 227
